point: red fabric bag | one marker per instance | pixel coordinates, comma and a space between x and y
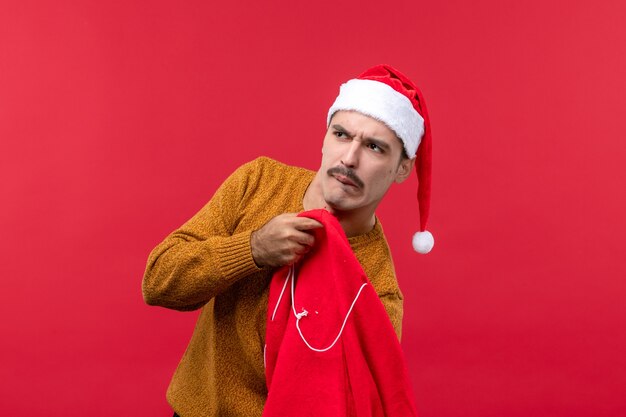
353, 364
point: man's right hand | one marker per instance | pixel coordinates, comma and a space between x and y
284, 240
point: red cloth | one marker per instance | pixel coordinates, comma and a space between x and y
364, 373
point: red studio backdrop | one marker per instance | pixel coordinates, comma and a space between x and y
118, 120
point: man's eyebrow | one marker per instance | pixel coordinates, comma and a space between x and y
378, 142
341, 129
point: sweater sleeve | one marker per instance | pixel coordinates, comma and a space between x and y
205, 255
394, 308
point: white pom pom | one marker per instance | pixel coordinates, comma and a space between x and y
423, 242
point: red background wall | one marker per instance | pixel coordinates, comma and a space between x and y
118, 120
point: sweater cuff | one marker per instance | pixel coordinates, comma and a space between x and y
236, 256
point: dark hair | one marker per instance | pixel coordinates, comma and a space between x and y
404, 154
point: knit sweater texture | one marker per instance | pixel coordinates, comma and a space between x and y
207, 263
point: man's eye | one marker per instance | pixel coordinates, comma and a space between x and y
375, 147
340, 134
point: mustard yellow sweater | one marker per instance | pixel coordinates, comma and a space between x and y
208, 263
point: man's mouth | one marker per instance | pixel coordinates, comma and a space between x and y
345, 176
344, 180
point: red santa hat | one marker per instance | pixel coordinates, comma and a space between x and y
384, 93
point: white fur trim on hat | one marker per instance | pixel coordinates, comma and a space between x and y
382, 102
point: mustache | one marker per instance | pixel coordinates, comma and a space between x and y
346, 172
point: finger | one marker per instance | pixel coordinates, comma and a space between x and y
301, 251
303, 238
304, 223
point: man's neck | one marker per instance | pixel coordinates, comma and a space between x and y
354, 222
353, 225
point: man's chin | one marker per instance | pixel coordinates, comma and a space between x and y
339, 206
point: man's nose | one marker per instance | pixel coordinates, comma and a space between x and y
351, 155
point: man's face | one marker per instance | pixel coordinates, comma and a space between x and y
361, 158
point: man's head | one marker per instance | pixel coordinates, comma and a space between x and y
361, 158
375, 129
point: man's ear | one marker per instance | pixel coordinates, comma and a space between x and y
404, 169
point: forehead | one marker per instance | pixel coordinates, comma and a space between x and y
362, 125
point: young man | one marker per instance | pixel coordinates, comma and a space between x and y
222, 259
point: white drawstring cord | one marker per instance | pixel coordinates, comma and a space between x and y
305, 313
289, 275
